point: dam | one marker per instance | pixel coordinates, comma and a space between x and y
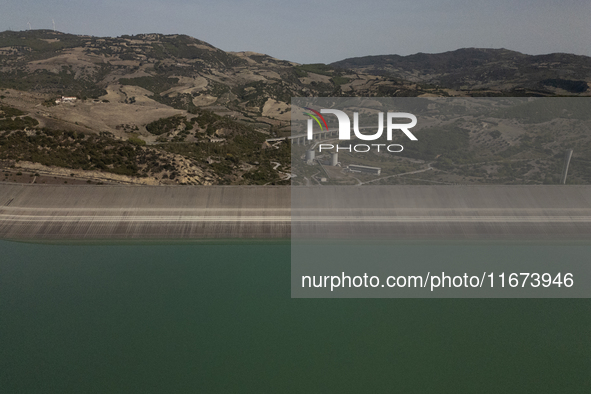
138, 212
46, 212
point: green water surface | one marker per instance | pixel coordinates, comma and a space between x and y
218, 318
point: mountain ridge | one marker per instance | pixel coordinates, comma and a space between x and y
483, 68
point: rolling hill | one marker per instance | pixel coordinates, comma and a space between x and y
172, 109
499, 71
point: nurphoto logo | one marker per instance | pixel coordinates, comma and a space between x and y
345, 129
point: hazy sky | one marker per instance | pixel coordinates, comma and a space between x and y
325, 31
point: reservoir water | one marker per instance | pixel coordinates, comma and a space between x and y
219, 318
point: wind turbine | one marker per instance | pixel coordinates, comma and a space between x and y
52, 21
29, 23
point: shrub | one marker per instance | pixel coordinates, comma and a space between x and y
136, 141
165, 125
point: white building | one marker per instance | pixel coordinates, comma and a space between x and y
66, 99
366, 169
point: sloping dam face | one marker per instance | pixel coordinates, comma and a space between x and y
444, 212
194, 212
129, 212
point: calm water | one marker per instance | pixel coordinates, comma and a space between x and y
219, 318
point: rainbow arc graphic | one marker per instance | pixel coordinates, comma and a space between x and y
317, 117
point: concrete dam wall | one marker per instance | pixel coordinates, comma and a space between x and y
144, 212
44, 212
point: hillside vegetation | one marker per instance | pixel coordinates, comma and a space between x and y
177, 110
